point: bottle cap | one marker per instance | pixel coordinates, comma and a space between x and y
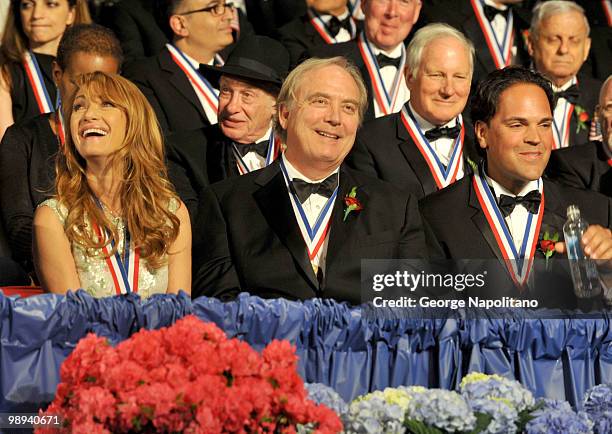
573, 212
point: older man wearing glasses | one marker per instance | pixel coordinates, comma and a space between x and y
182, 98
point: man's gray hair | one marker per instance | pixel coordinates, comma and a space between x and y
544, 10
428, 34
286, 96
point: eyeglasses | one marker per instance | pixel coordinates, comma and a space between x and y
215, 10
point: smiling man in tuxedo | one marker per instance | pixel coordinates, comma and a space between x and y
287, 230
589, 166
502, 211
427, 145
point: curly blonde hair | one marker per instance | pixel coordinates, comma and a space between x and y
145, 191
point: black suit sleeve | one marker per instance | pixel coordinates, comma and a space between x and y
16, 203
361, 159
214, 271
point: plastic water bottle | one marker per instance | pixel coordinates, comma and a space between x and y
584, 270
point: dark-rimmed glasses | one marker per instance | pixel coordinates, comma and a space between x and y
215, 10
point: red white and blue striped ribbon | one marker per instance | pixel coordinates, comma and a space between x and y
319, 24
385, 98
444, 176
271, 155
314, 237
518, 262
607, 7
202, 86
355, 9
43, 100
501, 52
561, 132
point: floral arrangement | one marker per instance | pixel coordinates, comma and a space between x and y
598, 406
188, 378
558, 417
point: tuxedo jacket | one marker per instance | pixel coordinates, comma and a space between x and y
169, 91
299, 36
198, 158
461, 231
350, 50
267, 16
246, 237
460, 14
384, 149
589, 95
584, 166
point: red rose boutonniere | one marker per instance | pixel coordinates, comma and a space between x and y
547, 245
582, 117
352, 203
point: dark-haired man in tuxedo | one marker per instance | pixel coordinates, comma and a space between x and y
379, 53
559, 44
325, 22
495, 27
428, 144
505, 209
588, 166
300, 227
243, 141
180, 95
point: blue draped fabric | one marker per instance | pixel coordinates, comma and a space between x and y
338, 345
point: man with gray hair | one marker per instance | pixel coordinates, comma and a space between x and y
299, 228
428, 144
559, 44
589, 166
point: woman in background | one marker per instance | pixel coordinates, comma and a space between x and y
31, 36
115, 224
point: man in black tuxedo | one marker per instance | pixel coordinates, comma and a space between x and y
243, 140
379, 53
488, 24
506, 207
181, 97
559, 44
325, 22
300, 227
588, 166
428, 145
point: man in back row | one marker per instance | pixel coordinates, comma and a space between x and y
300, 227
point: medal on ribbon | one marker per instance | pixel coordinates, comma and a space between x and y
123, 270
501, 52
518, 262
274, 146
386, 99
444, 176
35, 77
202, 87
322, 29
314, 237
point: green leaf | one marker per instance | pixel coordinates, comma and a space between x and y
555, 237
482, 422
418, 427
546, 235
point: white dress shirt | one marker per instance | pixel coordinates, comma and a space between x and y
211, 114
313, 206
343, 35
443, 147
388, 75
560, 112
499, 24
252, 159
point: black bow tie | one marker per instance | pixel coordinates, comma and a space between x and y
384, 60
261, 148
490, 12
334, 25
304, 189
531, 201
571, 94
439, 132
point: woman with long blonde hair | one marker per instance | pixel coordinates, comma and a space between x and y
32, 33
115, 224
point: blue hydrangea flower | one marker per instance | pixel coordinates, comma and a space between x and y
504, 416
322, 394
598, 405
373, 416
557, 417
494, 387
443, 409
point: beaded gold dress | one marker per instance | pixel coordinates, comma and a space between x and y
94, 275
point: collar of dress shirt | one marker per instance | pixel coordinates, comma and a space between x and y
425, 125
394, 53
498, 189
266, 136
195, 63
292, 172
565, 86
495, 5
327, 17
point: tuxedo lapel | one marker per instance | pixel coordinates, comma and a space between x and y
414, 158
482, 225
340, 229
273, 201
179, 80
